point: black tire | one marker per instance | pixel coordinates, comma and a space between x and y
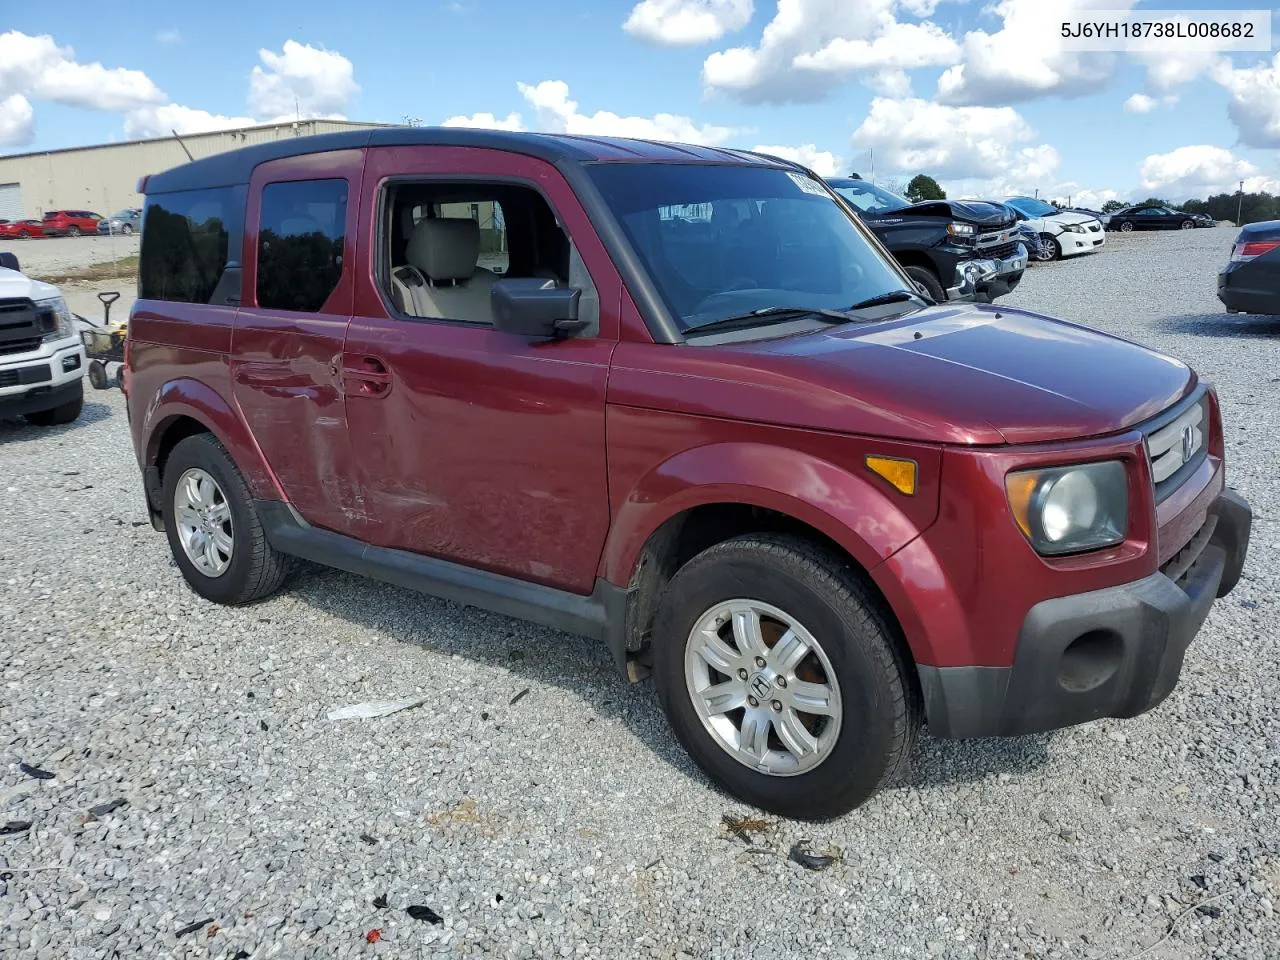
256, 569
1050, 248
127, 230
61, 414
24, 235
98, 374
1187, 225
73, 231
881, 703
929, 280
1126, 227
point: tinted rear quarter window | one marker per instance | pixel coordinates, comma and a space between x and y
301, 235
190, 247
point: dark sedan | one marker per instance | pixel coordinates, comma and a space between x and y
1250, 283
1156, 218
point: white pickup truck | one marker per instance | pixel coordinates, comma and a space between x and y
42, 360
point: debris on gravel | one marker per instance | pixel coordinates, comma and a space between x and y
571, 824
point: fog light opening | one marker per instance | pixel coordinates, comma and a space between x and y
1090, 661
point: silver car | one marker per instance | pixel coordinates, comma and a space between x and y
124, 222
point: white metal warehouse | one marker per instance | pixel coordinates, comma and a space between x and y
104, 178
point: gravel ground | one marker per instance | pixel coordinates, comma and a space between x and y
538, 805
48, 256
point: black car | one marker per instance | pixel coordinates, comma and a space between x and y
1250, 283
952, 249
1156, 218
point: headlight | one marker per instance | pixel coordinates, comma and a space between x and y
961, 229
1073, 228
1071, 509
56, 321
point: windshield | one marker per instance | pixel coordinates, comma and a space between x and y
867, 197
1032, 208
722, 241
122, 215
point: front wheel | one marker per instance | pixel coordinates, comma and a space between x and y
1050, 249
782, 678
1188, 224
62, 414
214, 532
127, 230
928, 282
24, 235
1126, 227
73, 231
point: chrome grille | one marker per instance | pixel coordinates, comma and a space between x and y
1176, 444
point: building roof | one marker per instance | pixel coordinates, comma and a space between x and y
236, 166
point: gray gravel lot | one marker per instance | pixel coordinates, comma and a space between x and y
568, 823
50, 255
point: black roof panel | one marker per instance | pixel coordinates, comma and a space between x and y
236, 166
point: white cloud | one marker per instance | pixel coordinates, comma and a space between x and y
37, 68
17, 121
1025, 59
314, 81
1200, 170
891, 83
811, 46
1255, 100
1140, 103
1077, 196
919, 136
163, 121
487, 121
687, 22
918, 8
169, 36
556, 113
1166, 71
822, 162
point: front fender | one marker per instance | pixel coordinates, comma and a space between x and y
185, 397
858, 511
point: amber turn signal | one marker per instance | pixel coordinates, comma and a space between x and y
901, 473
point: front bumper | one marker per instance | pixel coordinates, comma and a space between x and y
988, 277
34, 383
1077, 243
1115, 652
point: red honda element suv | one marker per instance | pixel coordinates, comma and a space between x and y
679, 399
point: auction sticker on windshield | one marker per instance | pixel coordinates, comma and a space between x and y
808, 184
1171, 31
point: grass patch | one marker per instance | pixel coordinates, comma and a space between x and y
126, 268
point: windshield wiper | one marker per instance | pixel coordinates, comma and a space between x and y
893, 296
766, 315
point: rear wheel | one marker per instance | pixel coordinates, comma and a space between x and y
214, 532
127, 230
928, 281
1188, 224
24, 235
63, 413
73, 231
781, 677
1126, 227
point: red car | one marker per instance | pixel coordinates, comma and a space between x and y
70, 223
678, 399
21, 229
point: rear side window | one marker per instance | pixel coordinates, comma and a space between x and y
186, 241
301, 235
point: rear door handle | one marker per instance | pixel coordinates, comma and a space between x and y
366, 376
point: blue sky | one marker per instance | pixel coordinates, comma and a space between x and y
979, 94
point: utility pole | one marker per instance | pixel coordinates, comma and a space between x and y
1240, 206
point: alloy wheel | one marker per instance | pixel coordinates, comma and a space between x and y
203, 517
763, 687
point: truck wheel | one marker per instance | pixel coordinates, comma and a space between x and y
929, 280
1050, 249
214, 532
780, 676
63, 413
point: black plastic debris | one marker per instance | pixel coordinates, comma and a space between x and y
419, 912
111, 806
380, 901
35, 772
14, 826
368, 838
193, 927
519, 696
249, 694
498, 898
1216, 857
1200, 881
1209, 910
240, 955
484, 714
810, 861
263, 725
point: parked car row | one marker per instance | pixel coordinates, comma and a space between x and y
1157, 218
73, 223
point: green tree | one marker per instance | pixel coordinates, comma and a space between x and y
1154, 202
1111, 206
924, 187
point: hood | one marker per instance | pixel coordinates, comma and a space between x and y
964, 374
976, 212
1067, 216
15, 286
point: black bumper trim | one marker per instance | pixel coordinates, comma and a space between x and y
40, 398
1140, 631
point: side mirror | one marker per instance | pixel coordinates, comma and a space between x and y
530, 307
9, 262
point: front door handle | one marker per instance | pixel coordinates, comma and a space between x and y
367, 376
